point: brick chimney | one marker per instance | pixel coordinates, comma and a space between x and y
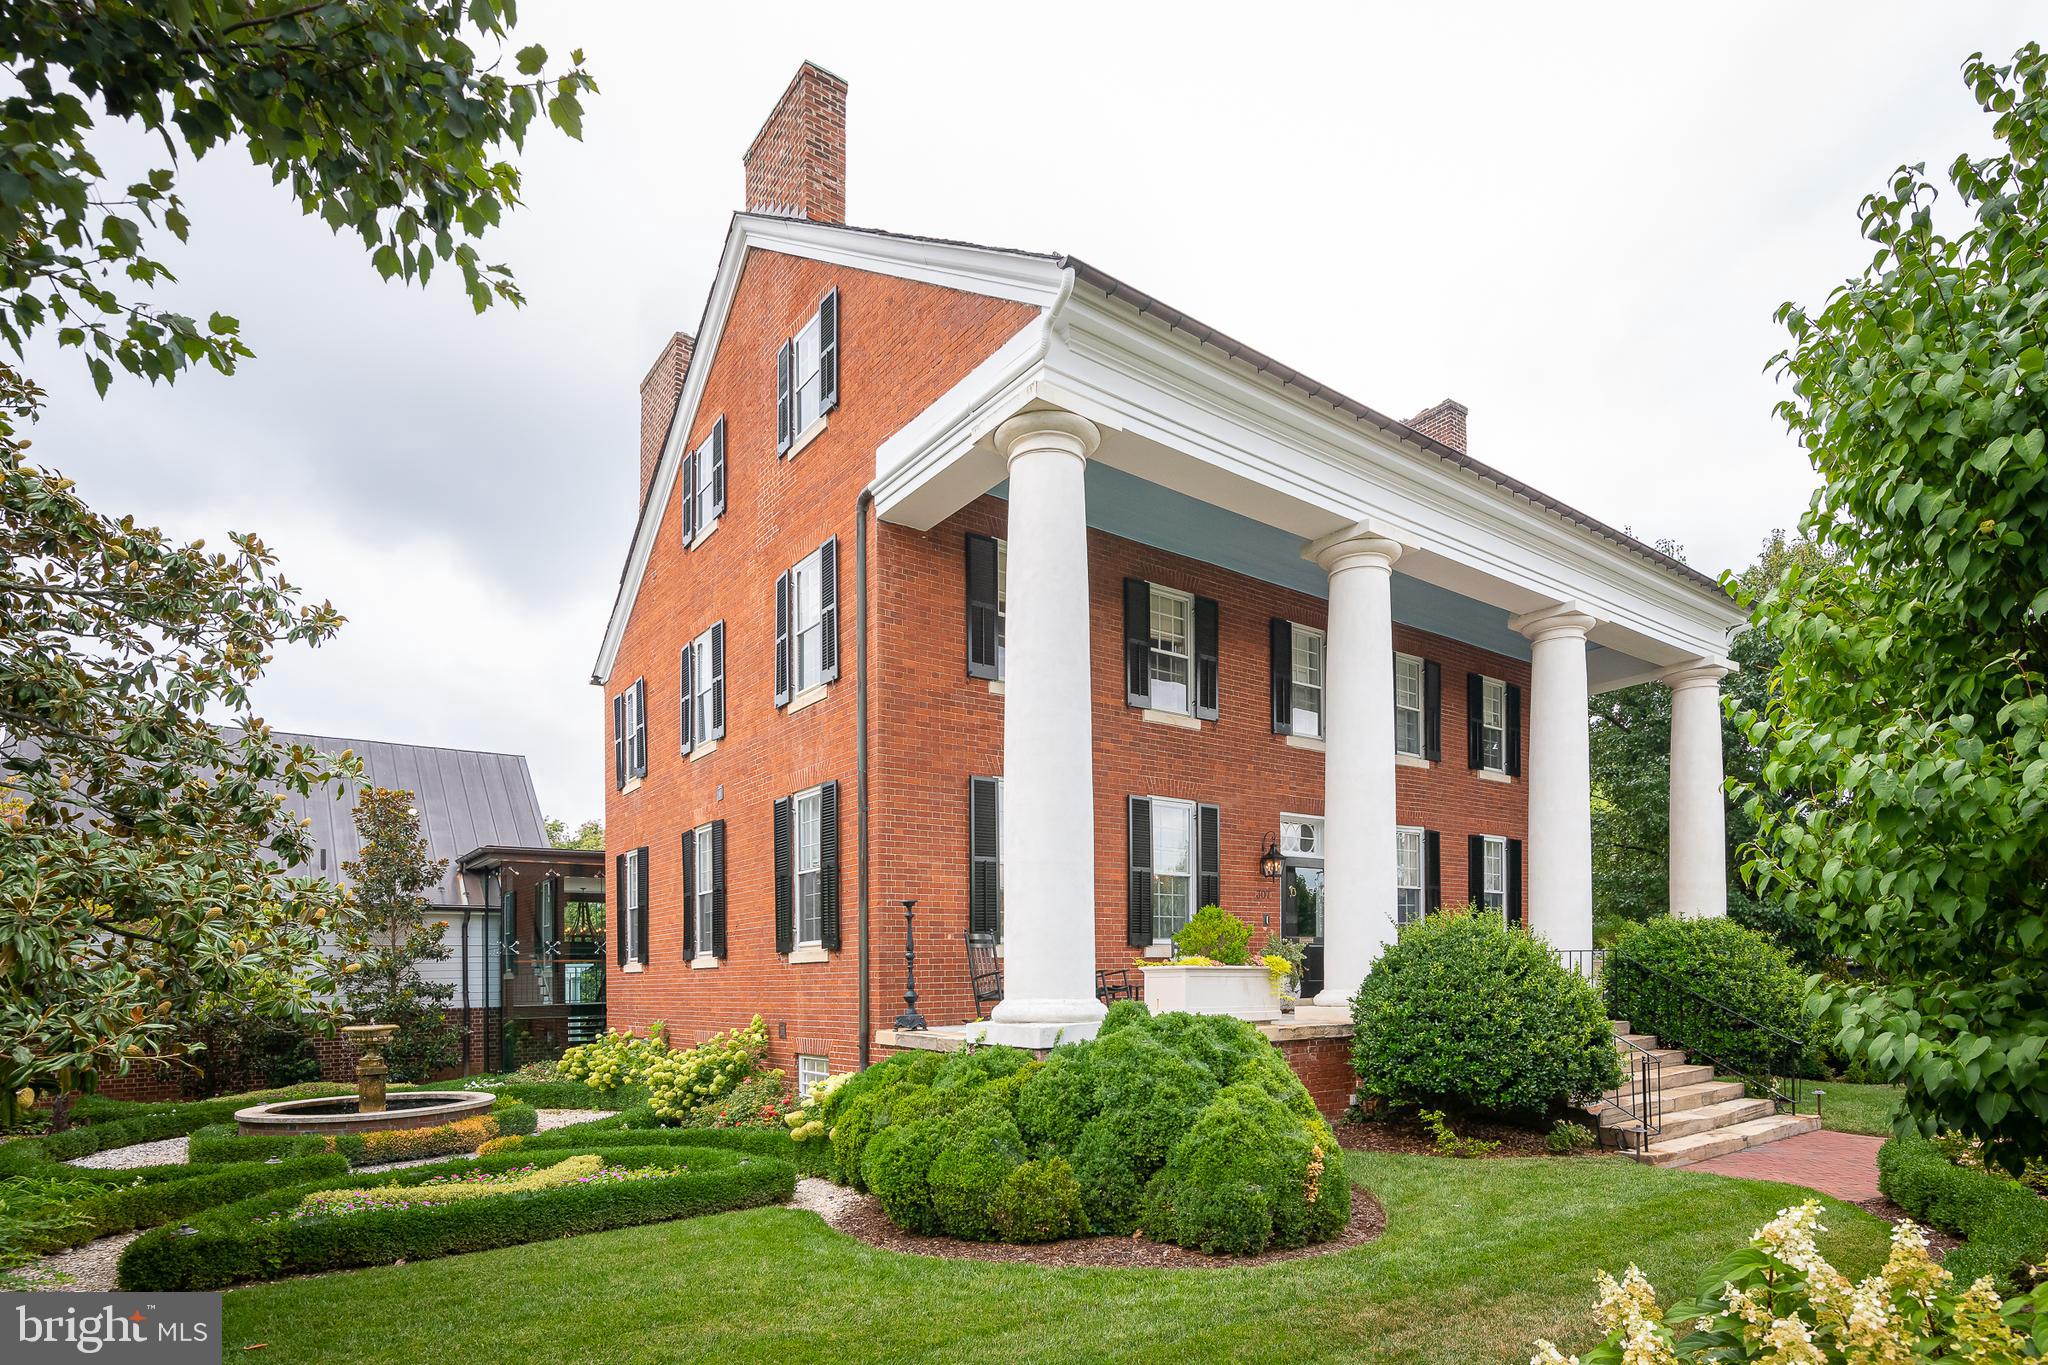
1445, 422
797, 165
659, 393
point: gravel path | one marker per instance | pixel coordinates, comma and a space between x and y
822, 1197
169, 1152
563, 1118
90, 1268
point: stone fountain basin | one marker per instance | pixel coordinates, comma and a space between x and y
339, 1113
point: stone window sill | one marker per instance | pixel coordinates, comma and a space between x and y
995, 687
1311, 743
806, 436
1178, 719
703, 962
634, 967
809, 952
1492, 775
703, 533
632, 785
704, 750
1160, 951
1412, 761
810, 696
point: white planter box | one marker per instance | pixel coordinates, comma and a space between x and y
1245, 992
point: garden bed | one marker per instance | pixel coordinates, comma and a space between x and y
1405, 1136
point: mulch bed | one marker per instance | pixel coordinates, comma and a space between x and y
1939, 1243
861, 1217
1407, 1137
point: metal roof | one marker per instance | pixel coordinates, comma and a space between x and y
466, 798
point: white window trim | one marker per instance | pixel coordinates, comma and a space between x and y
1487, 844
810, 568
815, 323
1194, 860
1296, 634
706, 890
1421, 887
803, 1086
701, 460
700, 686
807, 435
813, 796
1489, 688
634, 948
1420, 709
1152, 653
1292, 818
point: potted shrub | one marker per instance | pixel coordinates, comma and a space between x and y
1213, 971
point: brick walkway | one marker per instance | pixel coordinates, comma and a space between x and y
1841, 1164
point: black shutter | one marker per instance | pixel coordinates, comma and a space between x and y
1514, 881
785, 906
1281, 634
718, 888
1475, 857
640, 727
716, 682
1432, 711
1209, 856
1513, 759
981, 608
1432, 872
1139, 917
984, 855
683, 672
1475, 719
828, 353
620, 900
1207, 682
689, 894
782, 639
828, 865
828, 611
640, 913
618, 741
785, 396
689, 498
1138, 649
717, 471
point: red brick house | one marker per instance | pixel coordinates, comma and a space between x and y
980, 578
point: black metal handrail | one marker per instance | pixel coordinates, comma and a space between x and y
1640, 1097
1778, 1082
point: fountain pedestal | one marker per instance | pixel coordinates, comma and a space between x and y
371, 1070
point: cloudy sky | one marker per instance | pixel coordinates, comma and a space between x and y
1576, 219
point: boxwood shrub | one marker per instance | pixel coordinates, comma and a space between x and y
145, 1197
2003, 1223
1464, 1013
1172, 1125
234, 1244
107, 1124
1678, 978
811, 1158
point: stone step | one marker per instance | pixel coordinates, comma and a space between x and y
1673, 1077
1736, 1137
1670, 1056
1676, 1099
1618, 1025
1673, 1124
1646, 1040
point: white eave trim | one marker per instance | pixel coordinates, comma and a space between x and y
1016, 276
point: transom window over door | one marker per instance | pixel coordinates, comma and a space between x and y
1408, 879
1173, 867
1307, 691
1301, 836
1408, 692
805, 872
1172, 660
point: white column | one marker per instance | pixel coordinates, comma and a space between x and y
1048, 757
1699, 828
1359, 916
1559, 851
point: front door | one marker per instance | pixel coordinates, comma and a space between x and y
1301, 916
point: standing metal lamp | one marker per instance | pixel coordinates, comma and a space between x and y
910, 1019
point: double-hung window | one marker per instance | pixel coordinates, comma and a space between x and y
703, 689
1307, 689
1408, 880
704, 485
703, 901
806, 885
629, 733
807, 375
1493, 725
807, 624
633, 907
1173, 867
988, 585
1408, 692
1493, 875
810, 1071
1173, 670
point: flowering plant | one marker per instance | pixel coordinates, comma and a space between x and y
587, 1169
807, 1120
1778, 1302
619, 1058
679, 1081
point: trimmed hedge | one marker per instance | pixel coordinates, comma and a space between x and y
2003, 1223
1702, 966
1464, 1013
543, 1094
148, 1196
122, 1123
232, 1245
811, 1158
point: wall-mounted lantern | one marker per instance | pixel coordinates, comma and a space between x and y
1271, 864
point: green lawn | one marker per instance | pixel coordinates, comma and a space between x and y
1478, 1258
1850, 1108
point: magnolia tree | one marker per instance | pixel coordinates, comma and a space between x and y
1912, 696
394, 935
143, 866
